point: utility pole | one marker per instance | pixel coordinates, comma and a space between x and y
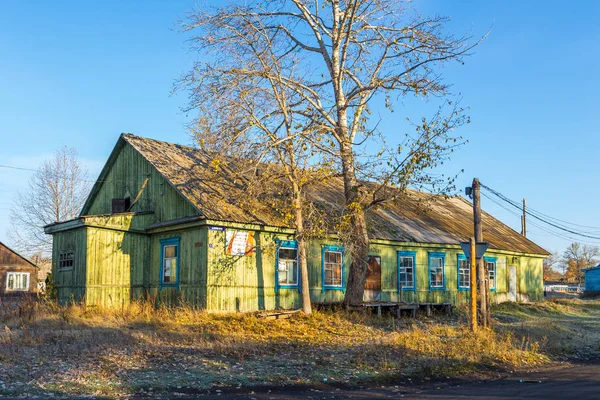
481, 273
524, 220
473, 284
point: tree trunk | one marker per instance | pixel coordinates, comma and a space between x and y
358, 237
304, 286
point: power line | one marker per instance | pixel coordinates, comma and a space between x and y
540, 214
537, 225
19, 168
78, 179
540, 217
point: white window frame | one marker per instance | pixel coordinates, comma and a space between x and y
440, 268
466, 274
331, 266
295, 262
491, 274
406, 284
15, 274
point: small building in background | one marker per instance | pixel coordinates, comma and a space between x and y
592, 280
18, 275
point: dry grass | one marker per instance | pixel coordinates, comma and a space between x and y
73, 350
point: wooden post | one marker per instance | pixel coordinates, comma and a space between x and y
473, 285
478, 229
524, 220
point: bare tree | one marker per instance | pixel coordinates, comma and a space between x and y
57, 191
550, 265
347, 53
252, 126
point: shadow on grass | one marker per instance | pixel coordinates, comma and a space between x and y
233, 352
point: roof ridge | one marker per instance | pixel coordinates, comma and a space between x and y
18, 255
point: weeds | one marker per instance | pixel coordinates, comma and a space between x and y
79, 350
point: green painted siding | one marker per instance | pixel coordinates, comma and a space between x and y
192, 267
245, 283
126, 178
70, 282
116, 261
123, 265
530, 275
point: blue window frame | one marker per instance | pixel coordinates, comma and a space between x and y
169, 262
287, 271
463, 273
436, 268
491, 267
332, 268
407, 271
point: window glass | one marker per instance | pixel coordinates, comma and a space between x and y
333, 268
492, 274
169, 264
407, 272
17, 281
287, 269
65, 260
436, 270
464, 274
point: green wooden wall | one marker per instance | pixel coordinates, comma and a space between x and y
245, 283
119, 265
192, 267
126, 178
248, 282
70, 282
115, 266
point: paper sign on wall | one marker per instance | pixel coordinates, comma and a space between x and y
239, 243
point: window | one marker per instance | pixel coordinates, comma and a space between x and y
436, 270
65, 260
491, 267
464, 273
287, 264
333, 257
406, 270
120, 205
170, 262
17, 281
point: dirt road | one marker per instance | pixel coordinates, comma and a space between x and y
579, 381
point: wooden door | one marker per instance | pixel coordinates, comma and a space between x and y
373, 281
512, 283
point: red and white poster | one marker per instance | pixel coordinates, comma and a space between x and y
239, 243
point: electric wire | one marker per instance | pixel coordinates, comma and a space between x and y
559, 235
565, 230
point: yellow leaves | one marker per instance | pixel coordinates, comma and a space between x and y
216, 164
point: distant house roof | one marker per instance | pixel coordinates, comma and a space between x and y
10, 257
445, 220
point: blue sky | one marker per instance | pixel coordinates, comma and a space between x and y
79, 73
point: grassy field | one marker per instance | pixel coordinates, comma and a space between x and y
46, 349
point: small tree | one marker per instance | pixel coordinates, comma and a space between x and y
57, 191
578, 257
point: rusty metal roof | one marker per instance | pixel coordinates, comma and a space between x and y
415, 217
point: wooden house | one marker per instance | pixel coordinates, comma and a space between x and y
157, 225
18, 275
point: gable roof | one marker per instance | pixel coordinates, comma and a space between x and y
445, 220
8, 256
